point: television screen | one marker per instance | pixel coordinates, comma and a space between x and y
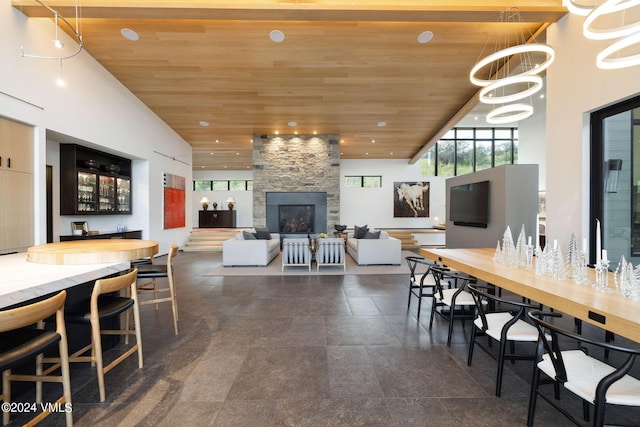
469, 204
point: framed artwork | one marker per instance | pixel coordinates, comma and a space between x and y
174, 207
411, 199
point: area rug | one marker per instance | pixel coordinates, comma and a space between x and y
275, 269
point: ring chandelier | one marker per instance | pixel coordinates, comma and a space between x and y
612, 56
504, 86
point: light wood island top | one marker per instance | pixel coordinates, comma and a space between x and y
98, 251
611, 311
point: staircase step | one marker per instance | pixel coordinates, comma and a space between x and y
210, 239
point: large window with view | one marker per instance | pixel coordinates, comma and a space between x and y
465, 150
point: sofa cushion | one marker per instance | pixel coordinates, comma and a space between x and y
262, 233
359, 232
372, 235
248, 236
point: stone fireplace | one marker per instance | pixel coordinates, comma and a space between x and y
296, 170
297, 212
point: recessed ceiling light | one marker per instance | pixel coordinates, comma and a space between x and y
366, 154
292, 124
315, 132
277, 132
202, 167
237, 154
129, 34
211, 154
373, 141
391, 153
382, 124
425, 37
276, 36
475, 118
204, 123
541, 95
217, 141
295, 133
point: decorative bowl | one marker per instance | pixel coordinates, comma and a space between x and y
112, 168
92, 164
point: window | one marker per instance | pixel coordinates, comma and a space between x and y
220, 185
223, 185
464, 157
446, 158
201, 185
237, 185
363, 181
428, 163
465, 150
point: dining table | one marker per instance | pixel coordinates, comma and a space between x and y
606, 308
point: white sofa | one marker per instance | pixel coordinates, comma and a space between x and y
385, 250
239, 252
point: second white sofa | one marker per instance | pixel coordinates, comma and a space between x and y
384, 250
256, 252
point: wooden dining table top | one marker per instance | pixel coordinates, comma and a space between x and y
608, 310
95, 251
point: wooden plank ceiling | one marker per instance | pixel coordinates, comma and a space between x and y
343, 67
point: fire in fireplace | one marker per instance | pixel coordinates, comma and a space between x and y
296, 218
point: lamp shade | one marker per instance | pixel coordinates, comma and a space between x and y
205, 199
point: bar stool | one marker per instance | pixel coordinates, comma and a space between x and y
102, 307
19, 343
153, 272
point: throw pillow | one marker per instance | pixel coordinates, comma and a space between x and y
248, 236
370, 235
262, 233
359, 232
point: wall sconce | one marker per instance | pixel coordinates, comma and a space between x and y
205, 203
230, 203
613, 175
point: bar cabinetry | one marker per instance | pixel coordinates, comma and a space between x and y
217, 219
93, 182
134, 234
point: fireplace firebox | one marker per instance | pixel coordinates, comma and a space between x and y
296, 218
301, 212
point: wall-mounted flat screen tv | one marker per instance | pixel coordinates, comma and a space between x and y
469, 204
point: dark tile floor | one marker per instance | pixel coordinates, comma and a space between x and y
302, 351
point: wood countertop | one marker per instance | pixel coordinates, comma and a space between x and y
92, 251
610, 311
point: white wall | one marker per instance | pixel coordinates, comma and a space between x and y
94, 107
532, 142
374, 206
358, 206
575, 87
244, 199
